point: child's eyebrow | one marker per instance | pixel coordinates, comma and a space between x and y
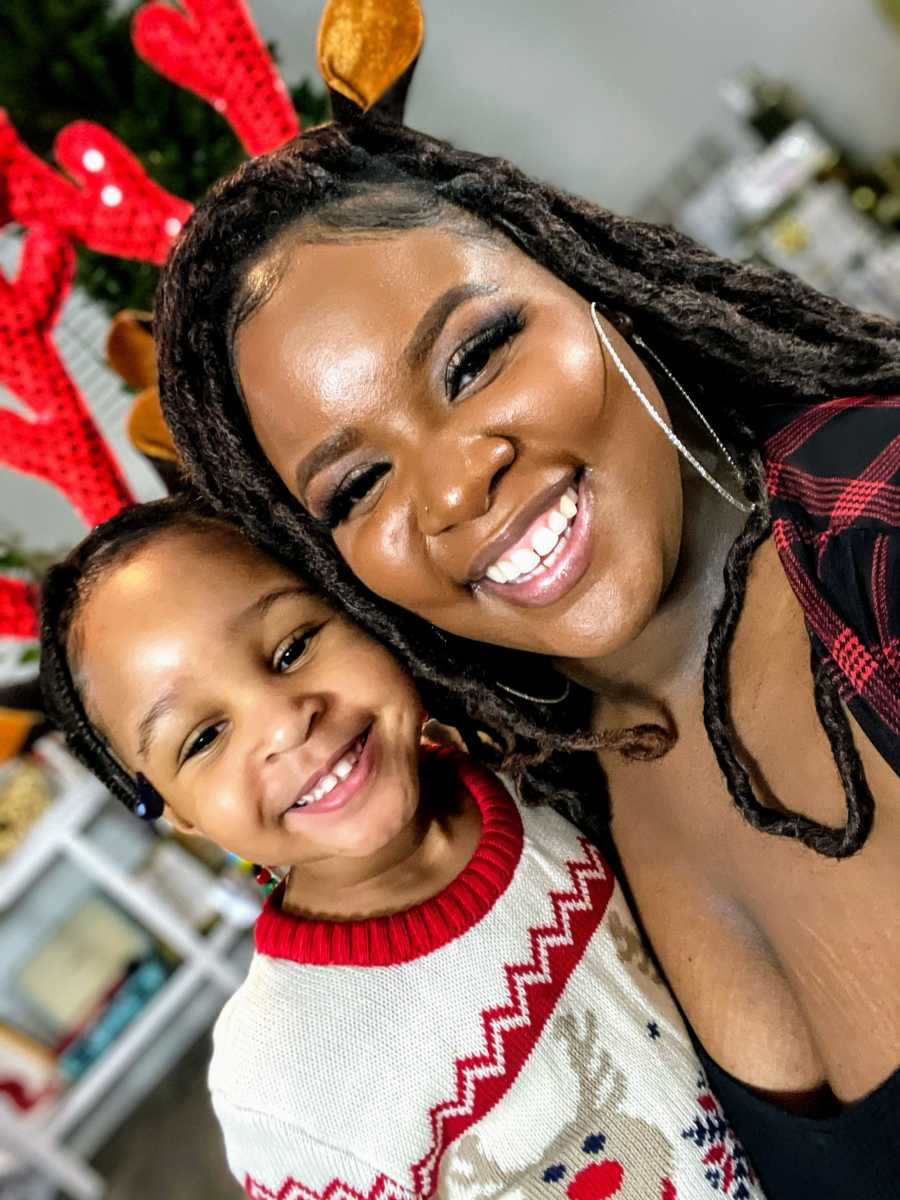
160, 708
258, 609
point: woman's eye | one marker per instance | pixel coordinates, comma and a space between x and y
347, 495
472, 358
291, 651
202, 741
471, 367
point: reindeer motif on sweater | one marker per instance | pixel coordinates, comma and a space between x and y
601, 1151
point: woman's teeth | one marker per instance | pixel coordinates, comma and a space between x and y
329, 782
526, 560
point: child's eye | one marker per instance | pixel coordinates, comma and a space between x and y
293, 649
471, 359
202, 741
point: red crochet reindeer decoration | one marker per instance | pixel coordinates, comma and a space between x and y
214, 50
60, 442
109, 204
112, 207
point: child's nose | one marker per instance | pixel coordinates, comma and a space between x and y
287, 725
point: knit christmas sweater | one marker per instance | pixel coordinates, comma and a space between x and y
508, 1037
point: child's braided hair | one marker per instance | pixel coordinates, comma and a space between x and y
738, 332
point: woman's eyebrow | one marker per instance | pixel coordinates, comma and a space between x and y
435, 317
328, 451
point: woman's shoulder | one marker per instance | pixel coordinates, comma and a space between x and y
833, 479
836, 459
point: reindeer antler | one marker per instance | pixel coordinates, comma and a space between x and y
18, 608
114, 207
593, 1068
214, 49
60, 444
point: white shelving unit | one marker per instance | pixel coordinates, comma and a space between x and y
57, 1142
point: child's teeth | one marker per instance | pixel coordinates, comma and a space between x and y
556, 521
330, 781
567, 505
496, 574
544, 540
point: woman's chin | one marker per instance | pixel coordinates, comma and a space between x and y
604, 622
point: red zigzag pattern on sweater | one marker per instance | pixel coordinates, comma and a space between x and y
510, 1033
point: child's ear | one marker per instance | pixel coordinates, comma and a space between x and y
180, 823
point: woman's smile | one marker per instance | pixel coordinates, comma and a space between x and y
550, 557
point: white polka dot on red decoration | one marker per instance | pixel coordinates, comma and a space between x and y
172, 226
219, 104
111, 195
93, 160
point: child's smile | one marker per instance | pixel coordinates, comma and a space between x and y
333, 786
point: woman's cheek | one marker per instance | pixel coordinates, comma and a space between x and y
366, 553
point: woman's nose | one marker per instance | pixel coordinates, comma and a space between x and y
455, 483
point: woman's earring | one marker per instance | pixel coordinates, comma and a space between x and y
670, 434
149, 805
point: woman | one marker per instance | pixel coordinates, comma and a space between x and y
380, 354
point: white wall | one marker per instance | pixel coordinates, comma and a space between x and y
602, 96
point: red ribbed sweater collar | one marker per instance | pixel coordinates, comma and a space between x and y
403, 936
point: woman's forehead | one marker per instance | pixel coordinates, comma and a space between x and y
366, 285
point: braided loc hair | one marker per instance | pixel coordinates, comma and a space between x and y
65, 591
752, 331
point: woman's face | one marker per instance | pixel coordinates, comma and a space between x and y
444, 403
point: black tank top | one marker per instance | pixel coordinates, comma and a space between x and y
854, 1155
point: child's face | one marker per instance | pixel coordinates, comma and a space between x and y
237, 693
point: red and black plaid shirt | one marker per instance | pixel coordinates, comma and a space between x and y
833, 475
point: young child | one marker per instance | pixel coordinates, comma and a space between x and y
449, 996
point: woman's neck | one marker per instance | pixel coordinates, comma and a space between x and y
419, 862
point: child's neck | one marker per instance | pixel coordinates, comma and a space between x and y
420, 862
